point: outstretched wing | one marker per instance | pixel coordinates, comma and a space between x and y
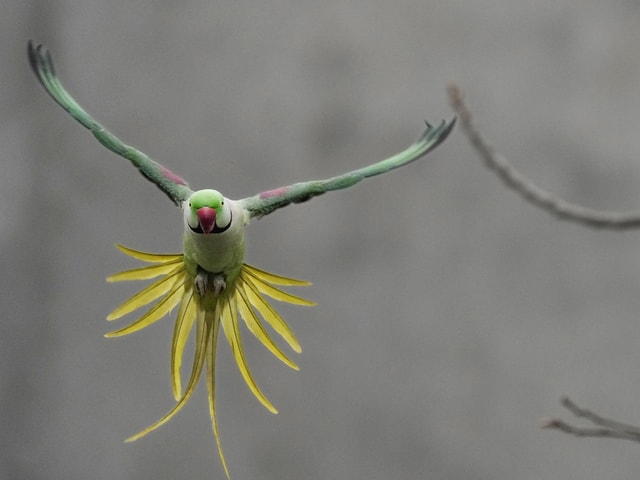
173, 185
266, 202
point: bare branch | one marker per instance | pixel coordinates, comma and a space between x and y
518, 182
605, 428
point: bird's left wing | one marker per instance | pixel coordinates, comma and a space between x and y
173, 185
269, 201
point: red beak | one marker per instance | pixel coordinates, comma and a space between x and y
207, 219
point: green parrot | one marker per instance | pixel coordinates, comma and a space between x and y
209, 281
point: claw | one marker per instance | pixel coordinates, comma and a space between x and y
201, 282
205, 281
219, 284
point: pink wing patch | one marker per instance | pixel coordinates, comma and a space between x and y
168, 174
276, 192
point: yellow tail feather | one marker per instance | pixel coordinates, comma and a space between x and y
271, 316
144, 273
211, 388
255, 326
159, 310
229, 320
202, 335
273, 278
184, 323
149, 294
149, 257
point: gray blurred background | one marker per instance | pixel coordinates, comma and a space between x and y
451, 317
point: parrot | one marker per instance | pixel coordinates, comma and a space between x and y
209, 282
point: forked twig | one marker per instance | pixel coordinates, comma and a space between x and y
604, 427
601, 427
518, 182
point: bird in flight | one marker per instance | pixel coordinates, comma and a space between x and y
209, 281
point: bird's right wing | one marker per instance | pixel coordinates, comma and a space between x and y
173, 185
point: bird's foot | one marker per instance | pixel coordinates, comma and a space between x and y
219, 284
201, 282
205, 281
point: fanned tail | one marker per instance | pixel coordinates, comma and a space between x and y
244, 298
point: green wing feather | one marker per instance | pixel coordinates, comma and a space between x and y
269, 201
173, 185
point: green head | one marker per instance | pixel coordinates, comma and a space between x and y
207, 213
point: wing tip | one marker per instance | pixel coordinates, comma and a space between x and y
40, 58
33, 54
441, 132
41, 63
432, 136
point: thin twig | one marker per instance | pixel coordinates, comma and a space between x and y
605, 427
518, 182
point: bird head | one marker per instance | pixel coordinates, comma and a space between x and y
206, 212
